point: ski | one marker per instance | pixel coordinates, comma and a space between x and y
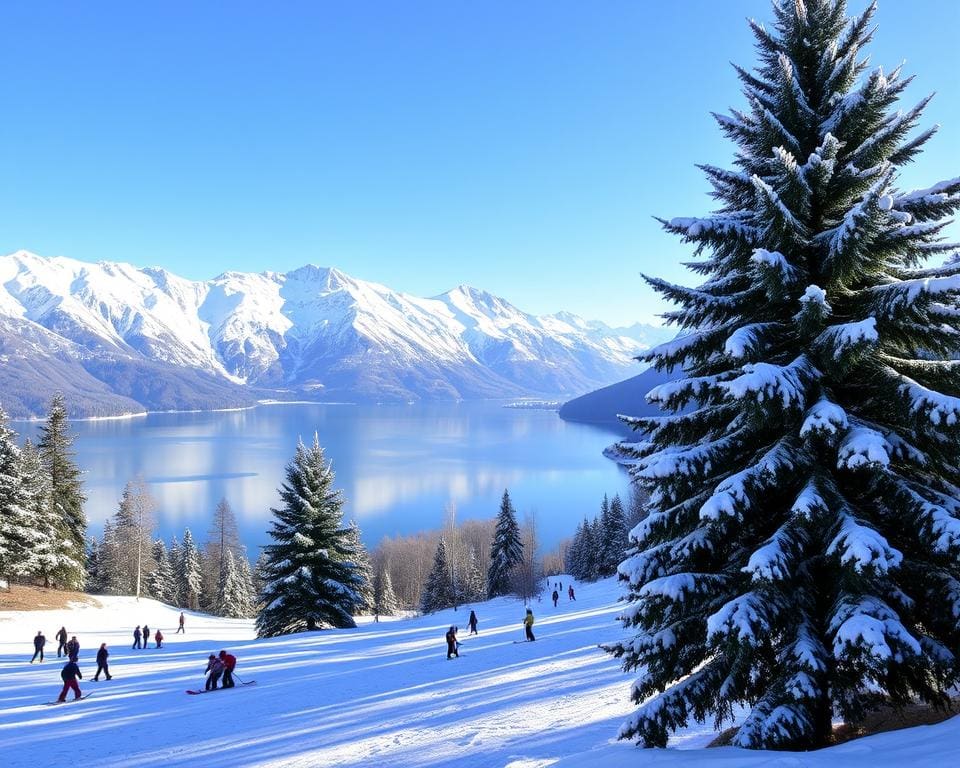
85, 696
214, 690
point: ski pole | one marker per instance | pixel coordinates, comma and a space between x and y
239, 680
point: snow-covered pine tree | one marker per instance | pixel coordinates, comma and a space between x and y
438, 591
94, 583
49, 559
66, 493
175, 553
18, 533
385, 601
108, 581
233, 599
506, 551
474, 586
161, 584
245, 575
190, 572
613, 537
593, 550
802, 553
308, 571
361, 562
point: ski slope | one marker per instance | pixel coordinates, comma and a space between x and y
380, 695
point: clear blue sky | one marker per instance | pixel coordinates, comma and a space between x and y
521, 147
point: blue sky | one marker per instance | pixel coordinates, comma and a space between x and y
518, 147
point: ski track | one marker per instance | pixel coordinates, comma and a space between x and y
382, 694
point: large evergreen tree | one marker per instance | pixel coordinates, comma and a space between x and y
613, 537
309, 572
233, 596
802, 553
66, 492
506, 551
438, 592
18, 533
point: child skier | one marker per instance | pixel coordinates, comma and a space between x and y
69, 675
73, 649
452, 643
158, 636
472, 622
528, 624
213, 671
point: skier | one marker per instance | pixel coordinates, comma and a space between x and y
472, 622
69, 675
528, 624
452, 643
570, 595
102, 655
215, 669
62, 640
561, 586
38, 642
136, 637
555, 596
146, 635
229, 663
73, 649
180, 628
158, 636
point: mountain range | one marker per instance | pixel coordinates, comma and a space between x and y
115, 339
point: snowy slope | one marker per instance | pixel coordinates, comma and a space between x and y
314, 329
382, 695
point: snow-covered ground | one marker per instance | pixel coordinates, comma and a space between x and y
380, 695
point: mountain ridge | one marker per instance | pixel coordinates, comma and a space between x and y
118, 338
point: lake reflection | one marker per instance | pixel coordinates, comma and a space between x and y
399, 466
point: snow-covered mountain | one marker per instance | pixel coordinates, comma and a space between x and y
116, 338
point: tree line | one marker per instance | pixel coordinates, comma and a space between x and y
214, 577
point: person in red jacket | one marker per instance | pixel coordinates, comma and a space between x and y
158, 636
229, 661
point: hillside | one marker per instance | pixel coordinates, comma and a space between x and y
628, 397
382, 694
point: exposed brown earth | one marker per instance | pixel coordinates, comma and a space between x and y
880, 720
26, 598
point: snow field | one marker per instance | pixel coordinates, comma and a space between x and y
382, 694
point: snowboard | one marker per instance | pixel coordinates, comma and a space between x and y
214, 690
85, 696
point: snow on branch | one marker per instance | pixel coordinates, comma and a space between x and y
732, 491
863, 547
906, 292
824, 418
845, 336
765, 381
862, 447
745, 339
771, 561
744, 617
808, 501
940, 408
869, 625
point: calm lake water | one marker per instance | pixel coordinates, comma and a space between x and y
399, 466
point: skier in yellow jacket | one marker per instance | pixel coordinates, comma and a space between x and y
528, 624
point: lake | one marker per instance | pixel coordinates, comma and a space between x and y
399, 466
